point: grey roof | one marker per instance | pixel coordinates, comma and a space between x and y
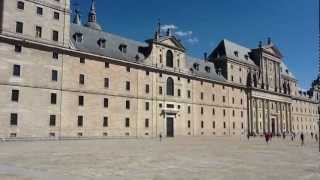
285, 71
190, 61
90, 44
230, 49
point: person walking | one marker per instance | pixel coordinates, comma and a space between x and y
316, 137
302, 139
160, 137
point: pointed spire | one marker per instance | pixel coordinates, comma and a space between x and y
77, 19
92, 17
158, 30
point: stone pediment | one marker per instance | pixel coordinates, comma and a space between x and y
273, 50
172, 42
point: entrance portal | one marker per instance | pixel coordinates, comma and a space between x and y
170, 127
273, 126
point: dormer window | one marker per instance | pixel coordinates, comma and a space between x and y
287, 71
123, 48
208, 69
102, 43
246, 57
196, 66
236, 53
78, 37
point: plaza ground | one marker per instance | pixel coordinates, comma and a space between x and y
182, 158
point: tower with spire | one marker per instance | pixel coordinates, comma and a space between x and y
92, 18
77, 19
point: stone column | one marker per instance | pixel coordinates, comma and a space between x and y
251, 116
268, 105
277, 106
263, 116
290, 118
257, 117
286, 109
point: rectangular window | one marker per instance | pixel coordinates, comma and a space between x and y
201, 96
146, 123
19, 27
106, 64
233, 125
38, 31
147, 73
52, 120
81, 100
55, 35
53, 98
106, 82
55, 54
128, 86
20, 5
16, 70
179, 93
106, 102
223, 99
127, 123
147, 106
224, 125
213, 124
14, 119
15, 95
105, 121
39, 10
81, 79
160, 90
127, 104
80, 121
147, 88
189, 109
56, 15
189, 94
128, 69
202, 111
202, 124
189, 124
213, 97
18, 48
224, 112
54, 76
82, 60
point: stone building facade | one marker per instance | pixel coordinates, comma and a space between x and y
64, 79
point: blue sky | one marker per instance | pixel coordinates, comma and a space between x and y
293, 25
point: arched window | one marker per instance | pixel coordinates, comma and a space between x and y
169, 60
170, 87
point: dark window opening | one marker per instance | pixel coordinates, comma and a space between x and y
169, 60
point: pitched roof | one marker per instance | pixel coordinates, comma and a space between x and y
285, 71
201, 70
237, 52
112, 44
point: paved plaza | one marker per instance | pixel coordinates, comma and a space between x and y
183, 158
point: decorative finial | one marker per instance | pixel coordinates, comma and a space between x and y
169, 32
77, 19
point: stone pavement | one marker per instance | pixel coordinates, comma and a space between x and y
182, 158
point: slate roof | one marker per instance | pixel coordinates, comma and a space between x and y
92, 36
285, 71
201, 71
231, 48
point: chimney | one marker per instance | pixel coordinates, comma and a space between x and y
269, 40
205, 56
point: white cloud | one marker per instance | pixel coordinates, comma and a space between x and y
193, 40
168, 26
184, 33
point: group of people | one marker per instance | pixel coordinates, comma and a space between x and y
268, 137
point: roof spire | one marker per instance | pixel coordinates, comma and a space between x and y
92, 17
158, 30
169, 32
77, 19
